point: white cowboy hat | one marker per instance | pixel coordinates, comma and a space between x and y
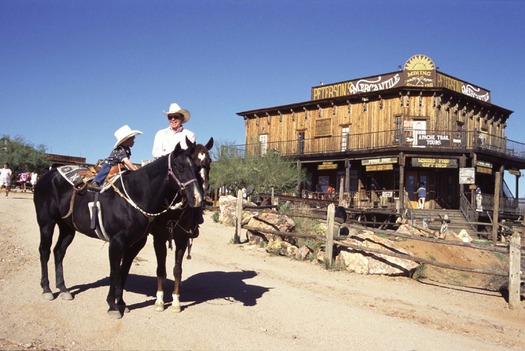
175, 108
124, 133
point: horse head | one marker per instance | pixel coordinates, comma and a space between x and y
202, 159
183, 170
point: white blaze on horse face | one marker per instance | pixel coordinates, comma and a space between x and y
202, 173
201, 156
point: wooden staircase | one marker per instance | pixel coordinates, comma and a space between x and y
434, 219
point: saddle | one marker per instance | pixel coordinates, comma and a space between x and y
79, 177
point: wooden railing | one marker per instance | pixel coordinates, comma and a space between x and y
389, 139
332, 241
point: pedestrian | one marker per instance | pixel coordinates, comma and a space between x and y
421, 195
479, 200
121, 153
34, 179
166, 139
5, 178
22, 179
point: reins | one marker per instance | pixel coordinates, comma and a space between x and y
151, 216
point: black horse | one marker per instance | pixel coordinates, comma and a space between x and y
125, 212
180, 226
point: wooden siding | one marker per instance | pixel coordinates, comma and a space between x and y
374, 116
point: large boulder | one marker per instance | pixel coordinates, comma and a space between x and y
372, 263
228, 210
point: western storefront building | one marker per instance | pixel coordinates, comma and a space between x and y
377, 138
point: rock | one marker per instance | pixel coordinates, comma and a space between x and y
464, 236
228, 210
371, 263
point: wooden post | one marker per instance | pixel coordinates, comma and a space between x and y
514, 270
273, 197
238, 219
495, 213
329, 250
341, 191
401, 193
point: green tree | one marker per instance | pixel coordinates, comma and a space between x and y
22, 155
260, 173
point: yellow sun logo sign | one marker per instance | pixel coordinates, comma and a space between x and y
419, 63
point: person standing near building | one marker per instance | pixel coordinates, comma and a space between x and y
421, 195
5, 178
23, 178
34, 179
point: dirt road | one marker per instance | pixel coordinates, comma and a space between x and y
235, 298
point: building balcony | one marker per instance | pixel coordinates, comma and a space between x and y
392, 140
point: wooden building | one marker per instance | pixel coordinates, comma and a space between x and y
378, 137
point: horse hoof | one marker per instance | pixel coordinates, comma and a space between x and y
114, 314
66, 295
159, 307
48, 296
176, 309
126, 309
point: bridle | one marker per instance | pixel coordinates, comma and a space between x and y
171, 206
182, 186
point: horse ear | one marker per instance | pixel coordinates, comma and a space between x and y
177, 149
209, 145
189, 143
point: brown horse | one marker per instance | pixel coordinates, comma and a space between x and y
180, 226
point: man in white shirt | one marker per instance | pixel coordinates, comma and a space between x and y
5, 178
166, 139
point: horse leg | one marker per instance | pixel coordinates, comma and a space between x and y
116, 251
65, 237
46, 239
160, 252
181, 243
129, 255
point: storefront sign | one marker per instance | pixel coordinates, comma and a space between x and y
484, 164
462, 87
374, 168
419, 71
467, 176
434, 162
433, 140
327, 165
379, 161
484, 170
323, 127
364, 85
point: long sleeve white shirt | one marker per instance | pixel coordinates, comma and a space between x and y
166, 140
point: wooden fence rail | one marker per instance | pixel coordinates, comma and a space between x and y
514, 249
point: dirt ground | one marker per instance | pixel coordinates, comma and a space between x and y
236, 298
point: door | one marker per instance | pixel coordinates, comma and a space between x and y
420, 128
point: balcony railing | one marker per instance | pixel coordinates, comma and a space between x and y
390, 139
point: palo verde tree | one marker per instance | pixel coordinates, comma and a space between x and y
22, 155
260, 173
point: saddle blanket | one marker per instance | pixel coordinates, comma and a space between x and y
73, 174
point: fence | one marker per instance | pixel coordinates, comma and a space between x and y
514, 250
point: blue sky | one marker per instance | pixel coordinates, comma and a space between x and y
72, 72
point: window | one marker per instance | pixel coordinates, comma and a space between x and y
263, 144
399, 129
300, 143
345, 134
